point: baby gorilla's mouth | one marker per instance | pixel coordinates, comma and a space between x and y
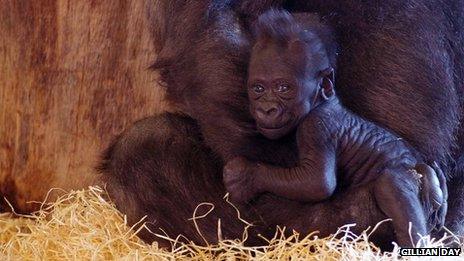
275, 131
282, 123
274, 126
271, 128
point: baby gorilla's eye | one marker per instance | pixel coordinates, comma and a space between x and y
258, 88
283, 87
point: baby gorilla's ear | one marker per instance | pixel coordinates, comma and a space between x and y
327, 84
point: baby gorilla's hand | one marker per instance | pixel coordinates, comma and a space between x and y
434, 194
239, 178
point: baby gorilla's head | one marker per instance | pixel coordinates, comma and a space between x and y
289, 70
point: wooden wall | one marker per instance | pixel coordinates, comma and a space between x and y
73, 74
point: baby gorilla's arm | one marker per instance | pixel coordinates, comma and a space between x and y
314, 179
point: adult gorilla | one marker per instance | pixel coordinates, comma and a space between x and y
399, 65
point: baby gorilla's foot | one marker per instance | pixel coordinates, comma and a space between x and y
239, 179
433, 194
397, 195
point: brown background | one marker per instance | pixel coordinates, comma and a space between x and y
73, 74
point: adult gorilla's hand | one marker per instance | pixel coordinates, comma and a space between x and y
434, 194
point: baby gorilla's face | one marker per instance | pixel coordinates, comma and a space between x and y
279, 98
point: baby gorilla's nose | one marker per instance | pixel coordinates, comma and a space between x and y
271, 112
268, 113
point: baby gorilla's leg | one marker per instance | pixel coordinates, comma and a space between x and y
397, 194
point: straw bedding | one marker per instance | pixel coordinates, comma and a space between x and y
85, 225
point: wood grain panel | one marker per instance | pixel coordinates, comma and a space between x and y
73, 74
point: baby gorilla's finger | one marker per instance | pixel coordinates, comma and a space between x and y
239, 195
432, 195
237, 164
441, 216
442, 179
431, 190
231, 181
444, 188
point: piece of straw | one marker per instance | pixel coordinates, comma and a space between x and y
85, 225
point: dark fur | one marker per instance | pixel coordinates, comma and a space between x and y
400, 62
267, 28
290, 86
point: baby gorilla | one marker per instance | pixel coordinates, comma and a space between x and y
290, 86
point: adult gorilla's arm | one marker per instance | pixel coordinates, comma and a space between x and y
401, 66
205, 75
